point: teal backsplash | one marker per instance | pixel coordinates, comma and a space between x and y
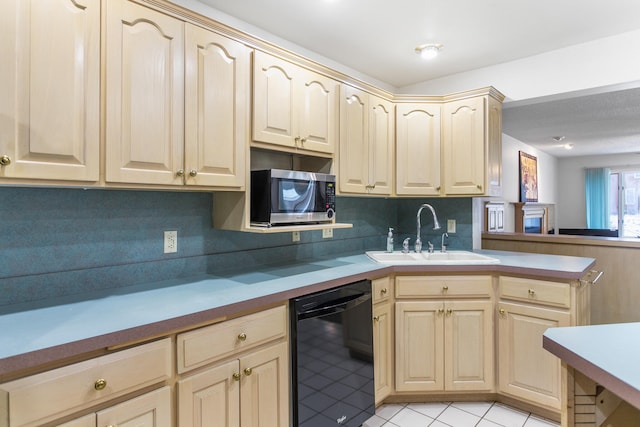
64, 242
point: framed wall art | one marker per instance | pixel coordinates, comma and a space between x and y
528, 178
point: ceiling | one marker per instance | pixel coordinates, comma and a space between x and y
377, 38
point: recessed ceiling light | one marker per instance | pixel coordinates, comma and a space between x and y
568, 146
429, 51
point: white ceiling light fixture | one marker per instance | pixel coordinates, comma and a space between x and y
429, 51
568, 146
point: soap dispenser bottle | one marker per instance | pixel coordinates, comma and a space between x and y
390, 240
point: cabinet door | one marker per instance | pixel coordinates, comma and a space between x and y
86, 421
264, 387
382, 351
468, 345
419, 341
494, 147
381, 144
273, 101
145, 95
418, 149
149, 410
317, 108
354, 141
50, 89
464, 153
211, 398
216, 109
526, 370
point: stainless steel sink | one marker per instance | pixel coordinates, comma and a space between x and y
435, 258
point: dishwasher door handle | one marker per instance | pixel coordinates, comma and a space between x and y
332, 307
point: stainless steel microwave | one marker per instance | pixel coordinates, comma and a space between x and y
283, 197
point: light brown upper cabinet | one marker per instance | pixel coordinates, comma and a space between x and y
472, 146
177, 100
50, 90
294, 109
451, 146
216, 109
366, 143
418, 130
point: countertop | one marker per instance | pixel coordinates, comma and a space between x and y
608, 354
38, 335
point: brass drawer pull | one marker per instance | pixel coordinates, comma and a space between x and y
5, 160
449, 312
532, 293
193, 173
383, 291
242, 337
236, 376
100, 384
445, 288
248, 371
376, 318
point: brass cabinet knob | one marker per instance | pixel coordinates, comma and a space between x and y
303, 140
383, 291
479, 187
376, 318
236, 376
449, 312
180, 172
5, 160
445, 288
502, 312
100, 384
242, 337
440, 311
531, 292
193, 173
438, 188
248, 371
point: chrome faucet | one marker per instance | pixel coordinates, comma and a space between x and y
443, 247
436, 225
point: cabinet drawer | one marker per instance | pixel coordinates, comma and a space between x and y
208, 344
50, 395
539, 291
443, 286
381, 289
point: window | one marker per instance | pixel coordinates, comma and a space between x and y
624, 197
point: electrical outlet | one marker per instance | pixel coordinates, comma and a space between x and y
327, 233
451, 226
170, 242
295, 236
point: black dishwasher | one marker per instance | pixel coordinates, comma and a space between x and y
332, 357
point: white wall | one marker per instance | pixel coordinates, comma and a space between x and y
571, 207
547, 177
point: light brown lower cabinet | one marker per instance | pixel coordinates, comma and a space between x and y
149, 410
444, 346
383, 350
526, 370
250, 391
60, 393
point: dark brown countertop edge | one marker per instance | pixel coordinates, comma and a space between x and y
600, 376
